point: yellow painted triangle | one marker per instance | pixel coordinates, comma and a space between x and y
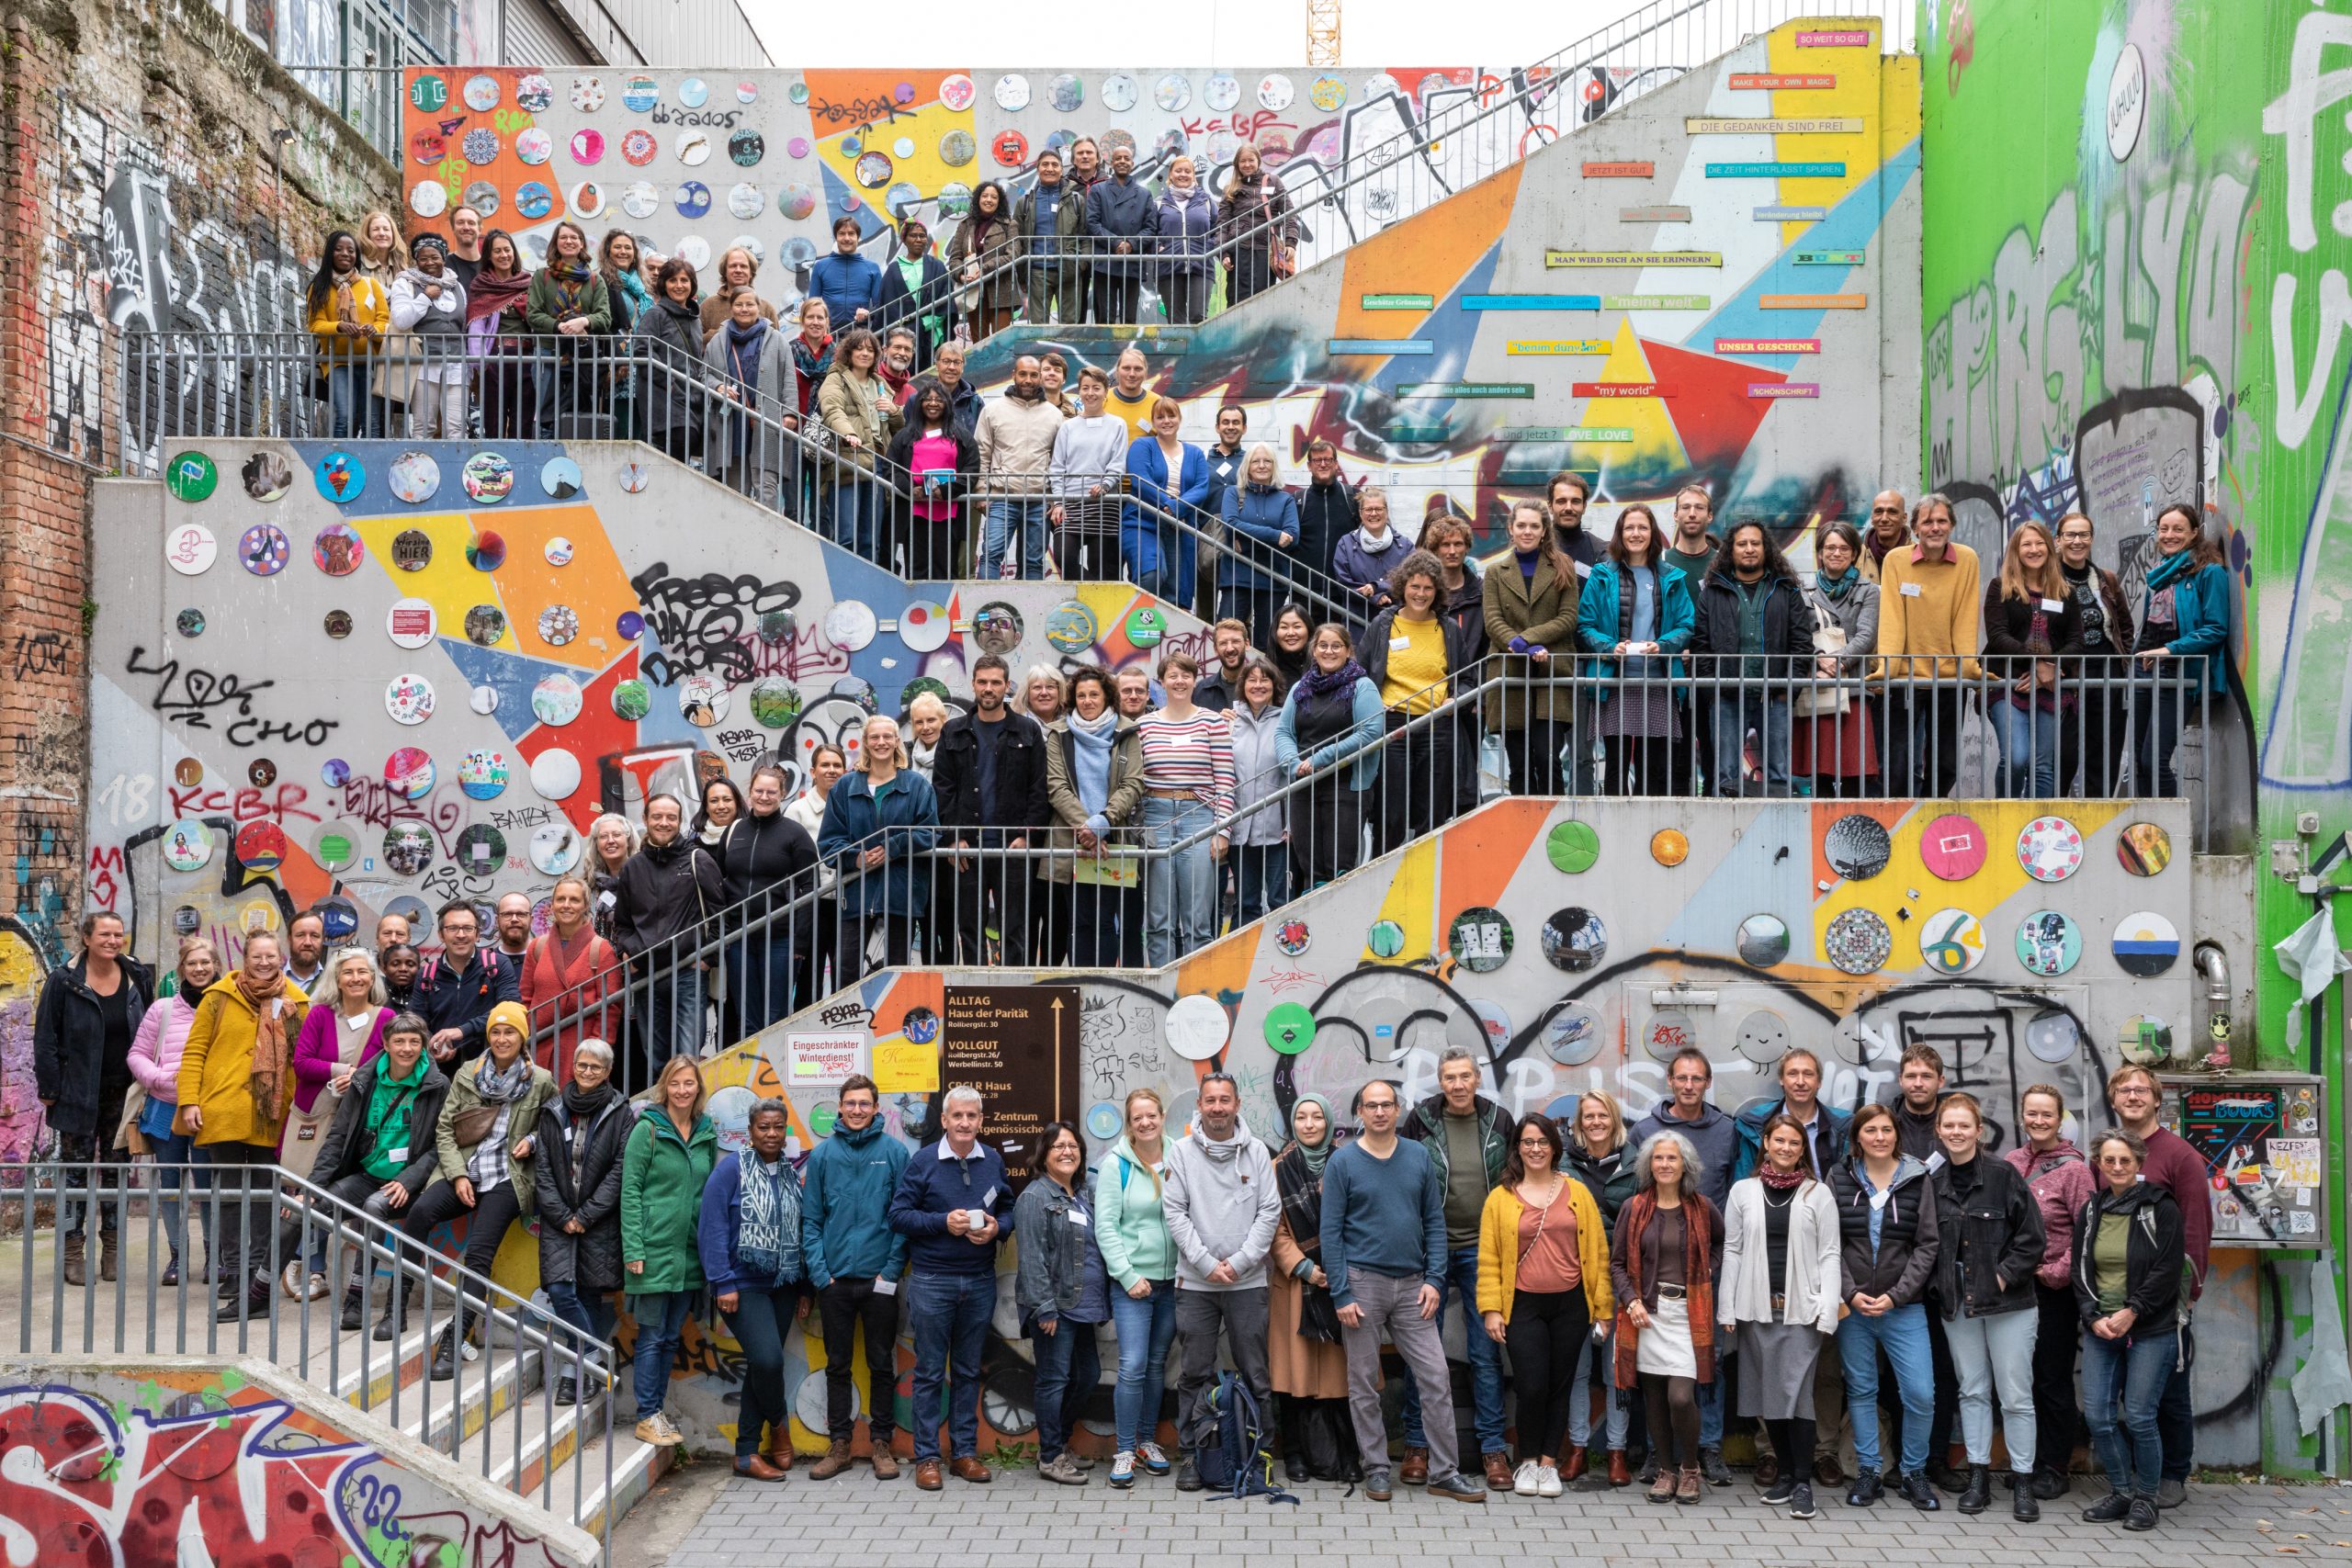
1657, 446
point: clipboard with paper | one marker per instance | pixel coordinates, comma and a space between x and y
1112, 868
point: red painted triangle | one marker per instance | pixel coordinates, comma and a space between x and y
1711, 410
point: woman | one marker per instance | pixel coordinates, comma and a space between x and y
567, 301
769, 862
486, 1136
1780, 1296
382, 259
1542, 1284
876, 824
1171, 478
84, 1020
676, 403
625, 285
342, 1029
584, 1130
716, 810
572, 980
2063, 1183
1984, 1287
2127, 1267
1256, 234
1662, 1269
917, 293
401, 963
1332, 715
236, 1087
1187, 233
746, 357
738, 267
926, 718
155, 1054
1306, 1361
1753, 619
1599, 1159
1461, 588
1141, 1257
1063, 1294
940, 463
1635, 618
426, 307
982, 254
826, 766
667, 1160
497, 329
612, 839
378, 1154
1416, 657
1261, 527
2030, 617
2091, 735
1887, 1232
748, 1238
1094, 788
1293, 630
812, 356
2184, 614
1834, 741
1261, 861
1045, 695
349, 314
861, 414
1187, 784
1530, 603
1366, 555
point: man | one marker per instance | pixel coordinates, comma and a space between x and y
465, 249
1919, 1080
1121, 219
1383, 1243
1715, 1137
854, 1261
1220, 689
1127, 399
2173, 1164
1051, 214
1887, 530
900, 348
1015, 436
991, 778
456, 991
850, 285
391, 930
963, 400
1468, 1137
1327, 513
306, 953
83, 1022
1930, 616
662, 895
1568, 495
1222, 1208
1054, 375
1134, 683
953, 1203
514, 926
1693, 550
1225, 460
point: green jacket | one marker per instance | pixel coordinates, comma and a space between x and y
1129, 1227
543, 306
662, 1183
520, 1126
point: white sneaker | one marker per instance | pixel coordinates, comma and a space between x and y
1522, 1480
1547, 1481
1153, 1456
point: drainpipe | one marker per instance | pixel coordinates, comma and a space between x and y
2214, 965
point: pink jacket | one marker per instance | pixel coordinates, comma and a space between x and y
155, 1049
2061, 1181
317, 1050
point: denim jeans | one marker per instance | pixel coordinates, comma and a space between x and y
857, 516
1011, 523
672, 1023
347, 399
2132, 1373
1460, 1282
1710, 1400
1581, 1396
2028, 736
2158, 709
1996, 1351
1262, 880
170, 1154
1735, 713
951, 1322
1145, 1328
1903, 1335
1068, 1366
1180, 889
661, 1323
591, 1314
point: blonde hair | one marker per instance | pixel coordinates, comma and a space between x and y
1126, 1109
751, 263
1274, 460
395, 254
1616, 1119
189, 945
898, 741
671, 1069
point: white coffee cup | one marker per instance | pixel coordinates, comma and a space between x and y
976, 1219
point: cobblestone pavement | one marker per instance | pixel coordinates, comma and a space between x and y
1022, 1522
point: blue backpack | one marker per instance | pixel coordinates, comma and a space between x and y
1237, 1462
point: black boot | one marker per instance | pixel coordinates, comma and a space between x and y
2025, 1507
444, 1355
355, 1307
1977, 1495
395, 1319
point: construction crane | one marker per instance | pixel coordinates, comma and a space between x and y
1323, 32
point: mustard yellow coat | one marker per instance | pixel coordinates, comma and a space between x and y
216, 1064
1498, 1250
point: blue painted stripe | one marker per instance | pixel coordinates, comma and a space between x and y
1382, 346
1530, 301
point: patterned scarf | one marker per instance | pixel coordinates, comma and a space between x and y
570, 284
502, 1089
767, 1239
1633, 1222
1779, 1181
1321, 682
267, 1079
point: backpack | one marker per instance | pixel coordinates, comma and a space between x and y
1233, 1460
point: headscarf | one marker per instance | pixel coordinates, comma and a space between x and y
1298, 1181
267, 1079
1314, 1155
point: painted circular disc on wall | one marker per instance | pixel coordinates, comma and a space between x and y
587, 199
1385, 939
411, 623
956, 91
904, 147
1574, 1035
560, 480
639, 93
2145, 1040
414, 477
1119, 93
692, 199
428, 198
1480, 939
703, 700
408, 848
1575, 939
796, 201
1103, 1123
1012, 93
555, 774
555, 848
263, 774
263, 549
2144, 849
745, 148
190, 623
188, 772
533, 146
1763, 941
556, 699
483, 774
335, 845
1762, 1037
428, 93
481, 849
1667, 1032
486, 551
480, 145
481, 93
587, 93
1223, 91
2050, 849
775, 702
635, 476
1274, 91
1010, 149
412, 549
489, 477
409, 699
850, 625
1670, 846
483, 198
693, 92
1292, 937
1197, 1027
1572, 847
1858, 942
923, 626
694, 251
340, 476
872, 170
191, 549
1069, 627
1951, 942
338, 550
267, 477
745, 202
2146, 943
639, 148
1953, 846
2049, 943
188, 845
336, 624
997, 627
1328, 92
534, 93
409, 772
1146, 627
632, 700
1067, 93
1857, 847
559, 624
1172, 92
640, 198
1289, 1028
2054, 1036
482, 700
534, 200
191, 477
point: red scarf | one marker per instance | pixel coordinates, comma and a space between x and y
1633, 1224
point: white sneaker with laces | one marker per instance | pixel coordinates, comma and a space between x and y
1522, 1480
1154, 1458
1547, 1481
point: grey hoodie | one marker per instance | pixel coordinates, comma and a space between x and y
1221, 1206
1714, 1135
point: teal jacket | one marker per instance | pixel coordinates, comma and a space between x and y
1129, 1227
1599, 617
662, 1183
2200, 605
846, 1207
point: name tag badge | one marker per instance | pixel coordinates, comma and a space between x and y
885, 1287
1225, 470
400, 1155
1910, 591
988, 1198
1399, 644
2055, 606
1582, 570
306, 1131
1078, 1219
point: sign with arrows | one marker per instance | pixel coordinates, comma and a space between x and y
1018, 1045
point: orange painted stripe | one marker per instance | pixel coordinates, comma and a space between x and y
1430, 253
1478, 855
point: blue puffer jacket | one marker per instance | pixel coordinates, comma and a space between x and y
910, 811
1186, 223
1598, 617
2200, 606
1259, 518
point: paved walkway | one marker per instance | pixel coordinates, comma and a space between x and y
1022, 1522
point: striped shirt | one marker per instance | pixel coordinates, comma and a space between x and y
1194, 753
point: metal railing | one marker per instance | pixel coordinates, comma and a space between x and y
498, 1412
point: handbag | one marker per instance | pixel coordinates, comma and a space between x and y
469, 1127
131, 1133
1828, 637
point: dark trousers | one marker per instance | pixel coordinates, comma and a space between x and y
1185, 297
1088, 915
493, 1211
1419, 791
1542, 1336
1198, 1315
760, 1322
991, 893
241, 1176
1070, 1365
1327, 839
1048, 299
360, 1191
842, 1308
2158, 712
508, 396
1118, 297
1639, 765
82, 1150
1080, 556
2090, 740
1534, 756
1128, 901
897, 934
1253, 607
2175, 1419
1923, 752
1251, 271
2057, 1409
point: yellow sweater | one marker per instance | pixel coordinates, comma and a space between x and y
1498, 1250
1931, 611
1416, 683
1136, 412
